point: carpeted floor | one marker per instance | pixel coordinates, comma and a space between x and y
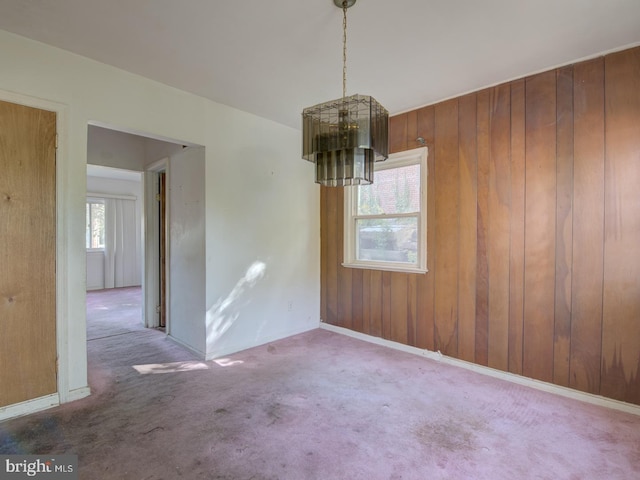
314, 406
113, 311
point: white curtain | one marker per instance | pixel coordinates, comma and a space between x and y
120, 262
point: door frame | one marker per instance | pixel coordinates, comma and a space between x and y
64, 212
151, 277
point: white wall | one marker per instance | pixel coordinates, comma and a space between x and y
95, 270
186, 205
110, 148
156, 150
116, 149
262, 234
261, 202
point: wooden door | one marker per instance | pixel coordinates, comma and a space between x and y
27, 253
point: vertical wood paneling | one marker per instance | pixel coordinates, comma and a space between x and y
482, 259
446, 225
375, 299
564, 224
412, 303
399, 307
324, 259
366, 302
588, 226
412, 130
332, 254
533, 232
398, 129
540, 219
516, 249
356, 300
621, 302
345, 318
499, 221
468, 228
425, 323
386, 305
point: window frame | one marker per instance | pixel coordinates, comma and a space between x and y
93, 200
417, 156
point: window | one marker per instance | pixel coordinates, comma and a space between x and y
386, 222
95, 224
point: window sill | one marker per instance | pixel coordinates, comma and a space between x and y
391, 267
95, 250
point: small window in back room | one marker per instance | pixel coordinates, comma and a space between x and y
95, 224
386, 222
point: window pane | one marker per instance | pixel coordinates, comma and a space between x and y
388, 239
97, 225
395, 190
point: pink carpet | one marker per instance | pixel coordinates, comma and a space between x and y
314, 406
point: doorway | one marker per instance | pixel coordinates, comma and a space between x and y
157, 246
123, 159
173, 227
162, 245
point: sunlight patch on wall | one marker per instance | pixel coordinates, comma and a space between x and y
225, 311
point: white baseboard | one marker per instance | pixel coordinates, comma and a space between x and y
196, 352
238, 347
29, 406
492, 372
77, 394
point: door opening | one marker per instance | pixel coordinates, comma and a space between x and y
156, 278
162, 249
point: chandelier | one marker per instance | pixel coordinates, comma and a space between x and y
344, 137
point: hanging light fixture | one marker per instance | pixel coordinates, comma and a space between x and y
344, 137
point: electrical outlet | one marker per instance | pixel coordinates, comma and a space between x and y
289, 305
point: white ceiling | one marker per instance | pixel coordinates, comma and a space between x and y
275, 57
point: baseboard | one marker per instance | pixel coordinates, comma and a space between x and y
30, 406
492, 372
77, 394
235, 348
196, 352
231, 349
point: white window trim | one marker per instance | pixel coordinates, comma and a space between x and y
395, 160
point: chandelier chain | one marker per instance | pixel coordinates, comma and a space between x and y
344, 49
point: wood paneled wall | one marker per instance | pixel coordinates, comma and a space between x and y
533, 232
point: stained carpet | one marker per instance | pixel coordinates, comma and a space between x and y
314, 406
